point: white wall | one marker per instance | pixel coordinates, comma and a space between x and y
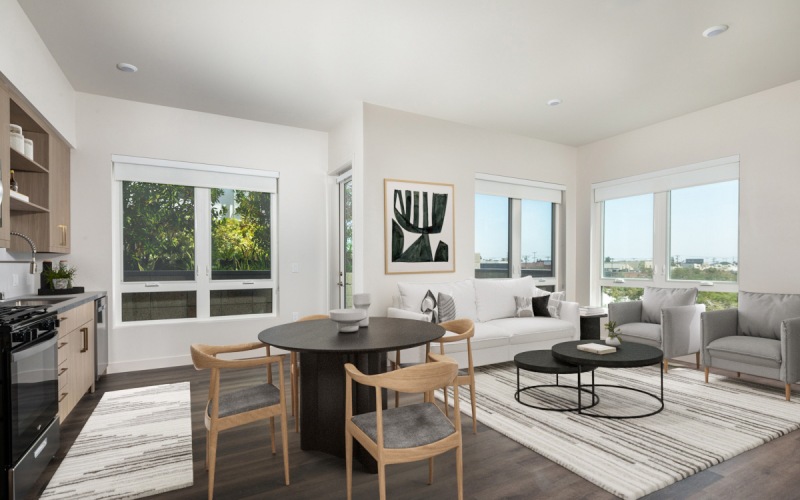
29, 66
109, 126
399, 145
764, 129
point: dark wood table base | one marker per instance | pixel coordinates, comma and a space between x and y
322, 388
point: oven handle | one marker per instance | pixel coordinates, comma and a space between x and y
35, 349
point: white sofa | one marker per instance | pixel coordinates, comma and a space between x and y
499, 335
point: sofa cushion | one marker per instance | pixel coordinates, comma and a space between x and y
538, 328
494, 298
446, 307
554, 304
761, 314
463, 293
655, 299
486, 336
748, 350
645, 331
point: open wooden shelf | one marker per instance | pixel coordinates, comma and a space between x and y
21, 163
26, 206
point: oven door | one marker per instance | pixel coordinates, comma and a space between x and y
34, 392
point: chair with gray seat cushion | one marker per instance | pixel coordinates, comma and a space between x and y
667, 318
761, 337
408, 433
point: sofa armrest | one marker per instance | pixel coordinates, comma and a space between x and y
715, 325
790, 350
681, 330
394, 312
625, 312
570, 311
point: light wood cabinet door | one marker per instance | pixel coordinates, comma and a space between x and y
59, 224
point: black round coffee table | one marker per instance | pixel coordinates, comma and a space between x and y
543, 362
628, 355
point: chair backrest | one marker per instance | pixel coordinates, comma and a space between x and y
655, 299
312, 317
462, 329
417, 378
761, 314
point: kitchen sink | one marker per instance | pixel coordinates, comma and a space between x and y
35, 302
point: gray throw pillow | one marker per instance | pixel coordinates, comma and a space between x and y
524, 309
655, 299
540, 306
447, 307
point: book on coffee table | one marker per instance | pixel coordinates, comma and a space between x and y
597, 348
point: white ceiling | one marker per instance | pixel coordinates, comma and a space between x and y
616, 64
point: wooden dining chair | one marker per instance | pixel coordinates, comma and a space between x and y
294, 369
233, 408
458, 330
408, 433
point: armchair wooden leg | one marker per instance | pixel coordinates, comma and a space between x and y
272, 433
788, 392
697, 360
472, 402
382, 480
212, 462
706, 374
666, 366
348, 455
430, 470
285, 444
459, 474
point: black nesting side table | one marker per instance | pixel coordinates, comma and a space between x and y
544, 362
590, 325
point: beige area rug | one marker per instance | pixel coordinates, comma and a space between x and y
136, 443
700, 426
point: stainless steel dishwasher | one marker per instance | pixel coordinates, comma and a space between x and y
101, 337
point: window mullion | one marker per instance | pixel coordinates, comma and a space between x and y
515, 237
660, 238
202, 217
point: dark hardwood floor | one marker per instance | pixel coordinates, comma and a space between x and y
494, 465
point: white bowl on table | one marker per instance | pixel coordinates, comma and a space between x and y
348, 319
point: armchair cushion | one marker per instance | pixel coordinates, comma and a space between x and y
247, 399
655, 299
645, 331
749, 350
407, 426
761, 314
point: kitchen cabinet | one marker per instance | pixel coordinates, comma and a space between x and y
45, 215
75, 356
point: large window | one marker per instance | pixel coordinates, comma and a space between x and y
516, 229
190, 250
676, 228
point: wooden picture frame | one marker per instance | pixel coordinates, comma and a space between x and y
419, 227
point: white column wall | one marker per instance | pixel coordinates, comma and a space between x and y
400, 145
109, 126
764, 129
29, 66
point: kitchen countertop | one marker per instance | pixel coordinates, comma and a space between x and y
66, 303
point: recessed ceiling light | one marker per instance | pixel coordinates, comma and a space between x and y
127, 68
715, 30
554, 102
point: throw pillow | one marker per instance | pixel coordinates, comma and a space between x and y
428, 306
654, 299
554, 305
447, 307
524, 309
540, 306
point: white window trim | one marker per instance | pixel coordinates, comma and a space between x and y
128, 168
659, 184
516, 190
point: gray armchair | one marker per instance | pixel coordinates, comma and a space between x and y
761, 337
667, 318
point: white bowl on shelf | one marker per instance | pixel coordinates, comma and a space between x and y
347, 319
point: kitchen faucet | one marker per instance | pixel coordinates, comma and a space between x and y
33, 249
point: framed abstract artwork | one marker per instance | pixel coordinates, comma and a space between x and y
419, 227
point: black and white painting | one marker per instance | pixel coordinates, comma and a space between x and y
420, 235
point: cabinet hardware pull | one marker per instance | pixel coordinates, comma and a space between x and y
63, 371
63, 318
63, 395
85, 339
62, 344
63, 229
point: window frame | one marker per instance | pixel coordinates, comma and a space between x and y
660, 184
202, 284
515, 191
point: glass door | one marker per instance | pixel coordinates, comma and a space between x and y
346, 242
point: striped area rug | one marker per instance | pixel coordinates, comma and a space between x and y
701, 425
136, 443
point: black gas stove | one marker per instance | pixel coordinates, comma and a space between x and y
21, 325
29, 426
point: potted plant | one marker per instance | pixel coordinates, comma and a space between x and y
613, 333
60, 278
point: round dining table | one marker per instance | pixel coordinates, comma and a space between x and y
323, 352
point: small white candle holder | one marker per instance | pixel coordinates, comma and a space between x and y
362, 301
